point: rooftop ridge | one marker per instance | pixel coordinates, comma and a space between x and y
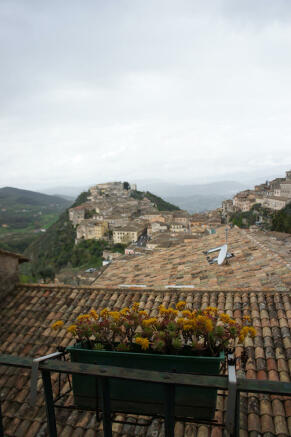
161, 289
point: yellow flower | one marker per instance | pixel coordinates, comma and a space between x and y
181, 321
201, 319
83, 317
143, 313
247, 318
149, 322
244, 331
135, 306
248, 330
180, 305
210, 310
208, 325
115, 315
172, 311
162, 309
58, 324
241, 338
224, 317
232, 322
186, 313
143, 342
187, 326
72, 329
124, 311
94, 314
104, 313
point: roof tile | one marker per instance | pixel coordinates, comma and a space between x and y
281, 425
26, 324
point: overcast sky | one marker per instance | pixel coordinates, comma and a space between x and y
93, 91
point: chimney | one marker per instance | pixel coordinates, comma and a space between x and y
9, 262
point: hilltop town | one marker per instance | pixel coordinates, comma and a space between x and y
116, 211
273, 195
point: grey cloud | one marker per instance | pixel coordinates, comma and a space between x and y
148, 89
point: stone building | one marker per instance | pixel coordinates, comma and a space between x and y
91, 230
9, 262
244, 200
116, 221
262, 189
177, 227
156, 227
154, 216
76, 215
275, 186
227, 207
181, 217
110, 256
277, 203
128, 234
285, 189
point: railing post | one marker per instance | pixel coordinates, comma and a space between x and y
1, 423
34, 374
232, 397
49, 402
107, 428
169, 410
237, 414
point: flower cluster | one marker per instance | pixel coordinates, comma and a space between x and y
173, 331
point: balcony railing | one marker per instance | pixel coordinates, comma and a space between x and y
234, 386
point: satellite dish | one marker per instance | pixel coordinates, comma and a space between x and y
222, 255
216, 249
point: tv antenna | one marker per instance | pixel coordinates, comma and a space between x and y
223, 255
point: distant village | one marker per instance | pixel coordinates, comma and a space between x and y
118, 213
273, 195
113, 212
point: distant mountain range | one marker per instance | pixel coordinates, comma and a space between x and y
199, 202
175, 190
196, 197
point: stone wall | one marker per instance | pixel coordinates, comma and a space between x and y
286, 189
8, 273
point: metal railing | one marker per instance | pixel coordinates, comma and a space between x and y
170, 381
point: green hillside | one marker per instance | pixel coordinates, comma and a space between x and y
56, 249
281, 220
161, 204
25, 214
257, 214
15, 197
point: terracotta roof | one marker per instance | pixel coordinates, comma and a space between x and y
281, 198
254, 266
25, 318
20, 257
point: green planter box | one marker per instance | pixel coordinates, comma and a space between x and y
139, 397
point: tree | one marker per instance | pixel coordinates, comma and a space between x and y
47, 273
126, 186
